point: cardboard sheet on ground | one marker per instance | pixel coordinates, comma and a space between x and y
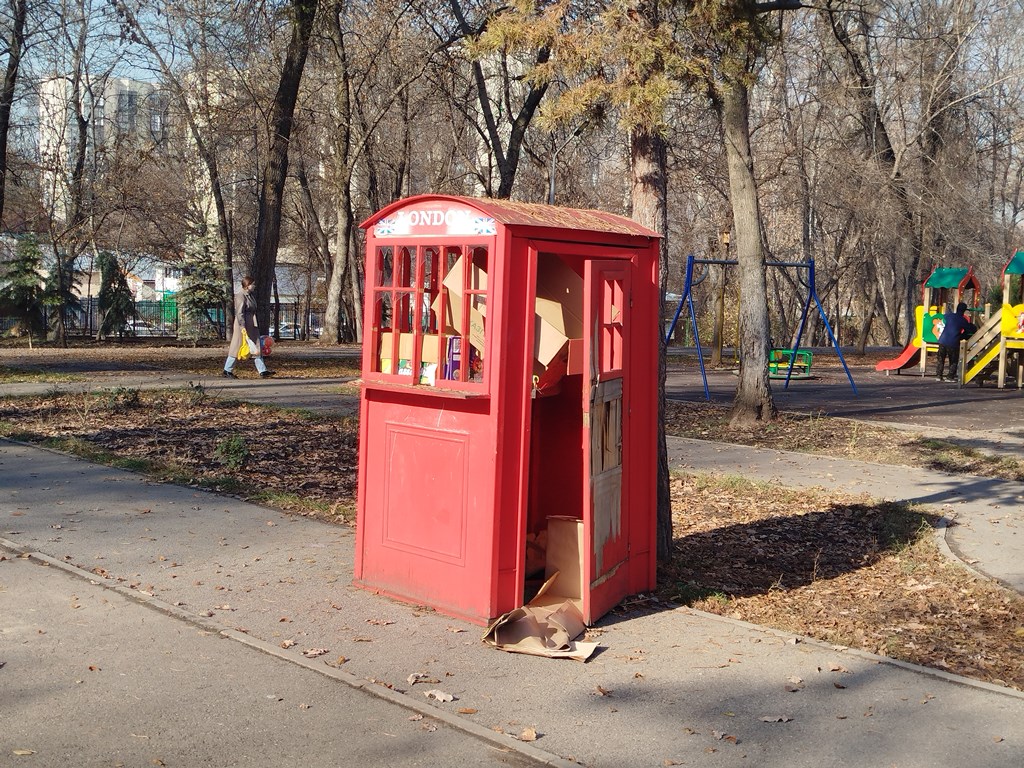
542, 630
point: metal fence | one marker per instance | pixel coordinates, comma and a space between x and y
163, 319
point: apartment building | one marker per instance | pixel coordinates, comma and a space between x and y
115, 112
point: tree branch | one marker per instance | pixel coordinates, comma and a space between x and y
778, 5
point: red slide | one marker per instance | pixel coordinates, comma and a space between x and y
907, 358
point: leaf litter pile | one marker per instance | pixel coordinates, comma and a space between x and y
286, 459
844, 569
841, 568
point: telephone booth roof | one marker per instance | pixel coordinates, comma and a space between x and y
514, 214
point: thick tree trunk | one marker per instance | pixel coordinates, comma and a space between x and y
650, 208
268, 224
16, 45
331, 331
753, 401
356, 299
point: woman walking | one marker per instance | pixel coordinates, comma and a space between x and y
245, 332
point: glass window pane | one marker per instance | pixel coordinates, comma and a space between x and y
406, 277
478, 276
427, 320
383, 311
384, 267
452, 255
433, 301
405, 311
430, 258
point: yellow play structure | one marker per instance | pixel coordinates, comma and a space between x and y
944, 287
998, 346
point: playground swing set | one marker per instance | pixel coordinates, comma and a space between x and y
783, 363
997, 347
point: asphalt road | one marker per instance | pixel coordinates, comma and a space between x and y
983, 414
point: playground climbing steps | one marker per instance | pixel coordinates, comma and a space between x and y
999, 343
982, 349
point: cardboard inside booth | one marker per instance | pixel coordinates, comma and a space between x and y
563, 562
428, 355
558, 321
558, 337
452, 322
554, 519
551, 623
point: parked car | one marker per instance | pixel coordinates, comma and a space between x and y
141, 328
288, 330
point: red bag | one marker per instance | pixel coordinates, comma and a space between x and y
266, 343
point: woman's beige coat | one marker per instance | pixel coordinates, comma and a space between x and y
245, 318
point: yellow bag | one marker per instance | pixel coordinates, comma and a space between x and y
243, 349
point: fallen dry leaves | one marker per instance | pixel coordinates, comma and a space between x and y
846, 570
304, 464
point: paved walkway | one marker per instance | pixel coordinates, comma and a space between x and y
987, 516
671, 686
92, 678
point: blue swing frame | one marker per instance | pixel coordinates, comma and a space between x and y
812, 293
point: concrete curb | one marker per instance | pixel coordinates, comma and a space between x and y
942, 543
498, 740
866, 655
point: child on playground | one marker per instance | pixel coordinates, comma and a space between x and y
955, 327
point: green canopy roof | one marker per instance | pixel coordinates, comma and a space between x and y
946, 277
1016, 265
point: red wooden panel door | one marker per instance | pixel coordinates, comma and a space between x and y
605, 392
426, 532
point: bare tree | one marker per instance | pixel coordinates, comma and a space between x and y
79, 47
505, 116
15, 43
370, 71
282, 110
189, 59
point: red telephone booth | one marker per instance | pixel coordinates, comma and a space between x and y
509, 406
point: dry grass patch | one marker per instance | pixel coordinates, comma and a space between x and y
841, 568
287, 459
